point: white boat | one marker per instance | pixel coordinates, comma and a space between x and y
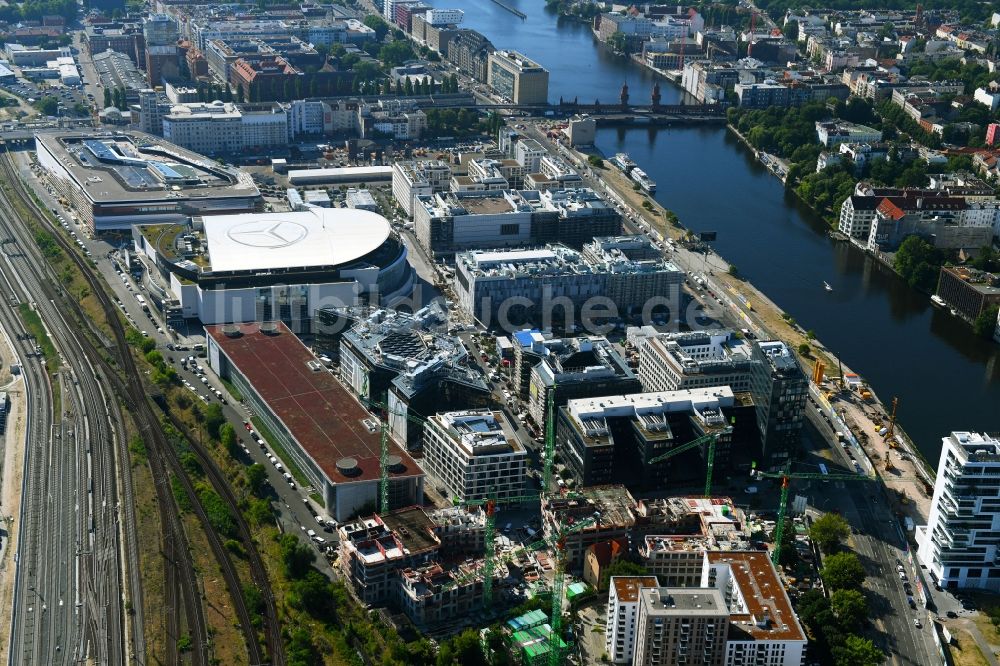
623, 162
645, 182
938, 301
826, 285
954, 312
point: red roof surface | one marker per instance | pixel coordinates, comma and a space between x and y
316, 409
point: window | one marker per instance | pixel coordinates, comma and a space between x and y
509, 229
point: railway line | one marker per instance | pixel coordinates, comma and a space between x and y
181, 589
68, 599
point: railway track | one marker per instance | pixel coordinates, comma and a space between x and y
132, 390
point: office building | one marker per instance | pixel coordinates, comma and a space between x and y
455, 221
623, 612
444, 16
401, 360
475, 455
779, 390
223, 128
611, 439
570, 369
835, 133
516, 77
694, 359
970, 291
958, 545
162, 55
678, 625
553, 284
125, 38
418, 178
320, 426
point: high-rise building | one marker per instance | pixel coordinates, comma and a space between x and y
680, 625
958, 545
779, 389
518, 78
475, 454
162, 56
623, 611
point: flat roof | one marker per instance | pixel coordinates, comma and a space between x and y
627, 587
323, 417
303, 239
340, 174
765, 599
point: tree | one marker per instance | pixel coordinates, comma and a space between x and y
829, 531
462, 650
791, 30
214, 420
48, 105
313, 594
621, 568
985, 324
227, 435
804, 349
107, 98
296, 557
595, 161
256, 478
376, 23
408, 87
849, 607
918, 262
857, 651
842, 571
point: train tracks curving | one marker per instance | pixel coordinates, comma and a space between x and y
181, 582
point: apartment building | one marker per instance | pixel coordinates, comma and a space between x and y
225, 128
681, 625
958, 544
475, 454
431, 596
968, 290
622, 616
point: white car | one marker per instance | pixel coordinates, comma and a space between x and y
916, 623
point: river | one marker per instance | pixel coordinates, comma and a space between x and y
945, 377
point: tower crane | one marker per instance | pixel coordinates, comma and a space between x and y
786, 476
557, 542
710, 439
383, 459
550, 439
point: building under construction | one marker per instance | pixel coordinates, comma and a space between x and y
612, 508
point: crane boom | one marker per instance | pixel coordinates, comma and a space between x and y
709, 439
786, 476
550, 439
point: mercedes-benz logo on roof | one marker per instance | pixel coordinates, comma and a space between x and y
270, 234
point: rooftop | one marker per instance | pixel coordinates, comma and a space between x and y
329, 424
480, 431
685, 601
112, 167
627, 587
316, 237
613, 503
984, 282
767, 614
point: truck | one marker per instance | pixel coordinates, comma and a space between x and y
142, 302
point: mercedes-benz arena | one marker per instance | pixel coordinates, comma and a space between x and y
277, 266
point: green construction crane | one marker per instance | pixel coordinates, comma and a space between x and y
558, 580
710, 439
550, 439
785, 476
383, 459
489, 537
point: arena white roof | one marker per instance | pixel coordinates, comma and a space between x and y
309, 238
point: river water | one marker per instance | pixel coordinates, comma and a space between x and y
945, 377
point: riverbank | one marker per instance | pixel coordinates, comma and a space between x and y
909, 477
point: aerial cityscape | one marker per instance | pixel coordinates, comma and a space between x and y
500, 332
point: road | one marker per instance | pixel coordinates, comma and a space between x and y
70, 591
